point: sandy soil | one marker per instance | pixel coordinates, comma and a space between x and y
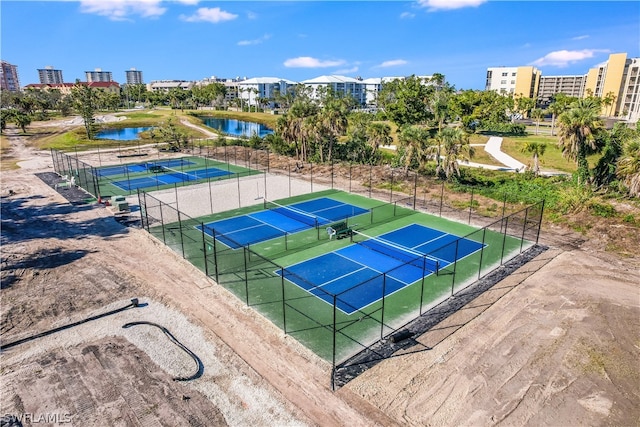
556, 343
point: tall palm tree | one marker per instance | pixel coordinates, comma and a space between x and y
537, 115
414, 140
628, 169
455, 144
577, 127
378, 134
536, 149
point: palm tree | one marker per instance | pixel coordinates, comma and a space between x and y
537, 149
537, 115
609, 101
378, 134
455, 144
628, 169
577, 127
414, 141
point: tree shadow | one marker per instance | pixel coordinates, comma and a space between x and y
21, 221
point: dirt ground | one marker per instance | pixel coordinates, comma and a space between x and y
556, 343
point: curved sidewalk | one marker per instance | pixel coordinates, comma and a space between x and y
493, 147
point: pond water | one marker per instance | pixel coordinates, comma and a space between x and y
235, 127
124, 134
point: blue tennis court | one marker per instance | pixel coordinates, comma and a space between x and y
141, 167
268, 224
405, 256
171, 177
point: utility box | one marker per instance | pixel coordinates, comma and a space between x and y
119, 203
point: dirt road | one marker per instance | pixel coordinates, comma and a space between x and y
556, 343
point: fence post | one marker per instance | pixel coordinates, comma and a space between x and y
415, 190
540, 221
204, 249
370, 179
391, 194
504, 239
333, 356
470, 207
384, 289
441, 197
284, 304
524, 227
484, 234
455, 264
246, 274
180, 231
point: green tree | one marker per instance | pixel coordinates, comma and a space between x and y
577, 129
455, 148
628, 169
378, 134
405, 101
609, 100
169, 132
536, 149
85, 101
414, 146
605, 170
537, 115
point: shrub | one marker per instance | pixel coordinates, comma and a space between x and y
604, 210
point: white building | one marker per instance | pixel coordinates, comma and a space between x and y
522, 81
98, 75
134, 77
167, 85
49, 75
253, 91
341, 85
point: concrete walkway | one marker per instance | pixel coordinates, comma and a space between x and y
493, 147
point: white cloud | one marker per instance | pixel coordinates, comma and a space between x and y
580, 37
407, 15
209, 14
433, 5
189, 2
563, 58
347, 71
121, 10
392, 63
255, 41
309, 62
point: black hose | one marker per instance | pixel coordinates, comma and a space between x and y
199, 365
134, 303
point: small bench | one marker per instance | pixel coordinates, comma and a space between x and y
339, 230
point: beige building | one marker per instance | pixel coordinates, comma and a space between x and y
616, 80
523, 81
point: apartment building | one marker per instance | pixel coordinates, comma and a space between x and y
9, 79
49, 75
522, 81
98, 75
134, 77
616, 80
167, 85
341, 85
252, 91
553, 85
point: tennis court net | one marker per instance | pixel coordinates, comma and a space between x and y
396, 251
297, 214
184, 176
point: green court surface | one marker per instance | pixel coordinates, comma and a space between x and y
155, 174
251, 273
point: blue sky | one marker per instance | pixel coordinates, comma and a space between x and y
298, 40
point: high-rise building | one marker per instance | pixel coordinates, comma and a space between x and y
553, 85
9, 77
48, 75
98, 76
134, 77
521, 81
615, 81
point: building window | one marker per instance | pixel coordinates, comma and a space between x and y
513, 82
505, 74
503, 82
513, 74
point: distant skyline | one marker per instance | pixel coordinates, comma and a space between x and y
300, 40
